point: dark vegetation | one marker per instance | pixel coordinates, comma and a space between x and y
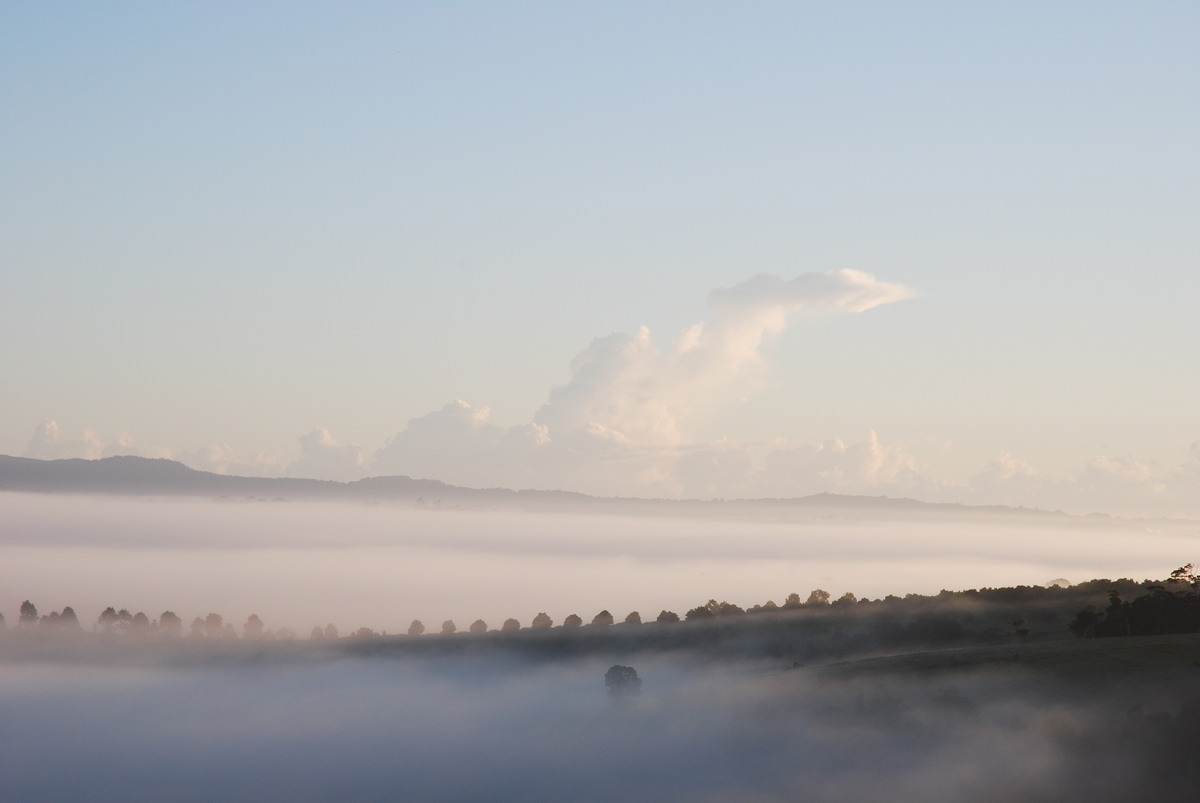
1169, 607
800, 631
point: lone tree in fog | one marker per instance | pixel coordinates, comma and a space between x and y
448, 627
478, 626
602, 619
416, 628
510, 626
622, 682
572, 620
634, 618
541, 621
29, 614
667, 618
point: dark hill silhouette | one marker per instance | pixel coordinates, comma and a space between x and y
140, 476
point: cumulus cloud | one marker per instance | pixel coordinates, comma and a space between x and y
323, 458
48, 443
1006, 480
620, 425
624, 386
459, 444
222, 458
863, 467
1121, 484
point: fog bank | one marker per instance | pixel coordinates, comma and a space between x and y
298, 564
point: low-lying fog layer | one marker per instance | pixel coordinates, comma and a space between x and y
480, 727
299, 564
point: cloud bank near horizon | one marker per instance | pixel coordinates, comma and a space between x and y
623, 422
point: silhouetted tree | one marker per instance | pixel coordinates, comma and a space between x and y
622, 682
196, 629
792, 600
416, 628
845, 600
214, 625
478, 626
698, 613
1084, 623
1186, 574
253, 629
510, 626
818, 597
634, 618
448, 627
139, 624
602, 619
1116, 616
572, 620
331, 631
364, 633
68, 620
108, 620
28, 615
317, 632
722, 608
169, 624
541, 621
667, 618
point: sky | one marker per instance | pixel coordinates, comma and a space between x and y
653, 249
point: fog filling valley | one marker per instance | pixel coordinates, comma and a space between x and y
480, 726
300, 564
505, 717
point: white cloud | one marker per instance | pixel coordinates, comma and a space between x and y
620, 425
48, 443
624, 385
773, 299
323, 458
456, 444
1008, 481
225, 459
1119, 484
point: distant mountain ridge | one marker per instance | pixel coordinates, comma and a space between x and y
142, 476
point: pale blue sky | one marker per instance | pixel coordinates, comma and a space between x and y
234, 223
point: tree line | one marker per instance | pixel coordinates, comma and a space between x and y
112, 621
1170, 606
